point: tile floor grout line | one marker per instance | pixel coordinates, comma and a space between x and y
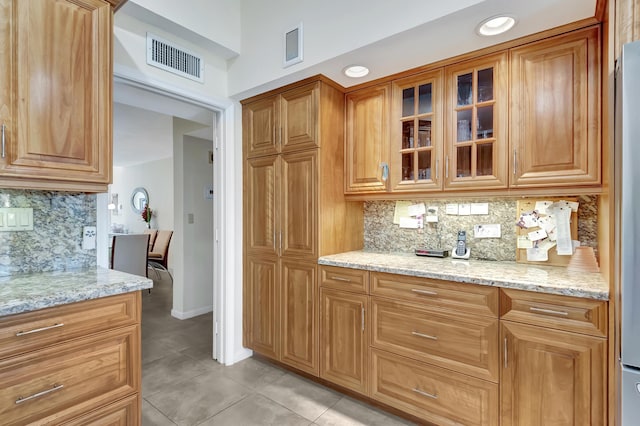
159, 411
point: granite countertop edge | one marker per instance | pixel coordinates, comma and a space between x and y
542, 279
31, 292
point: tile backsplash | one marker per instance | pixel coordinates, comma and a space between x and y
380, 234
55, 244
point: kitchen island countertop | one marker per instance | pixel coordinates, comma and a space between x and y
520, 276
30, 292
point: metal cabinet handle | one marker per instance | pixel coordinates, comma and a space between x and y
280, 136
505, 352
426, 336
37, 330
20, 399
446, 167
549, 311
437, 168
4, 139
274, 239
427, 394
341, 279
427, 292
362, 317
280, 243
515, 161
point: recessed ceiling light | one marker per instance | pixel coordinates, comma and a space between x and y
356, 71
495, 25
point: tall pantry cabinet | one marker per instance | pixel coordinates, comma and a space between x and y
293, 212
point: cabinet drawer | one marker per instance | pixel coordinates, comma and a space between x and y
465, 344
122, 413
465, 298
29, 331
433, 394
58, 383
575, 314
344, 279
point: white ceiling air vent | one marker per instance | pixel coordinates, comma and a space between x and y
166, 55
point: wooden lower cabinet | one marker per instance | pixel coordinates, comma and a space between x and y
94, 378
551, 377
434, 394
466, 344
299, 315
344, 340
121, 413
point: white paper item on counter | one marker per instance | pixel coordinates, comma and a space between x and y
451, 209
541, 206
464, 209
401, 210
536, 254
409, 222
416, 209
537, 235
563, 230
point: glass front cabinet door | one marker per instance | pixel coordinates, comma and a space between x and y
476, 155
417, 133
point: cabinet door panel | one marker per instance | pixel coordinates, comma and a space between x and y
551, 377
61, 128
367, 139
298, 112
300, 315
344, 340
261, 205
477, 124
260, 127
555, 128
416, 133
299, 204
262, 306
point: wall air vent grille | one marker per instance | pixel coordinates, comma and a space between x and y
169, 57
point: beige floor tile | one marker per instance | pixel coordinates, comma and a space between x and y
163, 373
301, 396
256, 410
252, 373
349, 412
152, 417
190, 402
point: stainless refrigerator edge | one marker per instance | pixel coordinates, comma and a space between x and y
627, 226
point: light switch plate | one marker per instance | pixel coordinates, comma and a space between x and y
16, 219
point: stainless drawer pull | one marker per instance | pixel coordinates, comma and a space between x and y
430, 293
423, 393
549, 311
341, 279
426, 336
37, 330
20, 399
506, 353
362, 317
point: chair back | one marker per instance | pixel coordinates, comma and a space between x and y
129, 253
152, 237
160, 251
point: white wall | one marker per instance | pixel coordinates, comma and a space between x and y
129, 57
190, 298
157, 178
216, 20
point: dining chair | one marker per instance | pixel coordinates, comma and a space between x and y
129, 253
159, 255
152, 236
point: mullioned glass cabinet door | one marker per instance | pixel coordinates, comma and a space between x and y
416, 136
477, 150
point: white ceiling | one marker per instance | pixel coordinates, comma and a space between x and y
143, 124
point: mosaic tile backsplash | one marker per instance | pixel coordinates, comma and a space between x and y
55, 244
381, 235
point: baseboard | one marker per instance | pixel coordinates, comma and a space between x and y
190, 314
243, 353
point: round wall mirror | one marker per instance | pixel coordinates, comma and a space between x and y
139, 198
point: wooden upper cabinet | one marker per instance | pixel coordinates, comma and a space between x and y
55, 94
367, 139
555, 119
299, 211
416, 133
282, 123
262, 178
551, 377
476, 155
298, 114
260, 127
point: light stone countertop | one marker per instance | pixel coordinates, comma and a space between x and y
29, 292
521, 276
